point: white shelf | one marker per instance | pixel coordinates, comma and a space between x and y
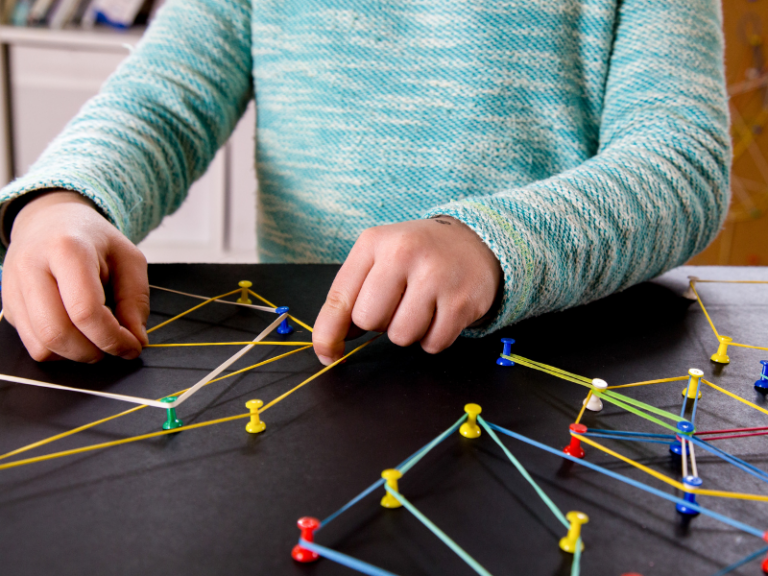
99, 38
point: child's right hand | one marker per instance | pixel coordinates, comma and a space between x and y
62, 256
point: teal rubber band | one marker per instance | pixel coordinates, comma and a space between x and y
458, 550
547, 500
576, 564
404, 467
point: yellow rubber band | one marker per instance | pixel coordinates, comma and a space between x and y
191, 310
747, 346
262, 343
323, 371
670, 481
268, 303
84, 427
735, 397
647, 382
703, 309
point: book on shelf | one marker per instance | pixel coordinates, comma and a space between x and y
59, 14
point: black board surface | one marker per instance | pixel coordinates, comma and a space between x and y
218, 500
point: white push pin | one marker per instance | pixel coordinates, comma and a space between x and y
689, 293
595, 404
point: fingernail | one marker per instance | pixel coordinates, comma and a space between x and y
144, 333
324, 360
130, 355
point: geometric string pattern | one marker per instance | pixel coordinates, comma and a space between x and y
677, 434
181, 395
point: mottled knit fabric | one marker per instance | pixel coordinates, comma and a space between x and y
585, 141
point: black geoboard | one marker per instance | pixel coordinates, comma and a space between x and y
218, 500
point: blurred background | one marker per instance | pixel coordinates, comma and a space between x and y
54, 55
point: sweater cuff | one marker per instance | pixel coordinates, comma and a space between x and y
41, 180
510, 245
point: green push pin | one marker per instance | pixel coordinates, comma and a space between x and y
172, 421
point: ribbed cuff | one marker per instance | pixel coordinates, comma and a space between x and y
510, 246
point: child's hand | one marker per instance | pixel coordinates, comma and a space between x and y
420, 281
62, 254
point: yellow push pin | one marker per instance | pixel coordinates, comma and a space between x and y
255, 425
391, 476
692, 390
470, 429
244, 285
721, 356
568, 542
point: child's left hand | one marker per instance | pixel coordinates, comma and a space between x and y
419, 281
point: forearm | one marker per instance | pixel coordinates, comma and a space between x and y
135, 148
654, 194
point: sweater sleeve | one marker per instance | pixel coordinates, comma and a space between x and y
136, 147
655, 193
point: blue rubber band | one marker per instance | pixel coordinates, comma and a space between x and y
413, 460
741, 562
626, 438
344, 560
406, 465
695, 404
635, 483
738, 462
625, 433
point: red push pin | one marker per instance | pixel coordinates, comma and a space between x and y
574, 448
308, 525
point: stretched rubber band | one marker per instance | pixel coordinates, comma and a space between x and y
741, 562
587, 464
344, 560
458, 550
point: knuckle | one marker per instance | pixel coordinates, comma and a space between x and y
68, 245
83, 313
50, 336
337, 302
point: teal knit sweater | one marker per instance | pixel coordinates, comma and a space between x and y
585, 141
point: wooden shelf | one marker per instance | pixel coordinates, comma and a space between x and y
99, 38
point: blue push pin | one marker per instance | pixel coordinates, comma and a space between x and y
675, 447
506, 352
690, 497
284, 327
762, 384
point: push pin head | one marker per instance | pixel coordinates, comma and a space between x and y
391, 476
307, 525
255, 425
761, 385
506, 351
171, 422
285, 327
721, 356
470, 429
569, 542
574, 448
689, 497
595, 404
244, 285
693, 389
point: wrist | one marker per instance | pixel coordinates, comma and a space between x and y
26, 208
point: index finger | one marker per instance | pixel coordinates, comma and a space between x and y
83, 297
335, 317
